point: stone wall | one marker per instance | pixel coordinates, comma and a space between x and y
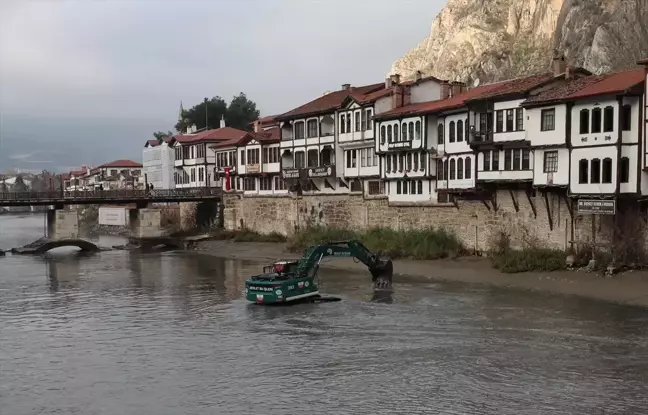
476, 225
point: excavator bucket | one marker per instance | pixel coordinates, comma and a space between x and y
381, 275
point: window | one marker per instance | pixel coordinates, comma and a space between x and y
596, 120
519, 119
499, 121
452, 169
420, 187
624, 169
369, 121
411, 131
423, 161
265, 183
548, 120
607, 170
313, 158
582, 171
487, 160
526, 159
595, 172
201, 174
446, 167
401, 162
483, 122
200, 151
357, 121
398, 188
342, 124
452, 131
440, 166
409, 161
363, 157
404, 129
351, 159
389, 134
550, 162
348, 122
300, 159
460, 131
418, 130
279, 184
253, 156
271, 155
312, 129
516, 159
416, 162
299, 130
383, 134
388, 164
468, 167
509, 120
626, 118
584, 121
460, 168
467, 130
495, 164
249, 183
376, 187
396, 135
242, 156
608, 119
508, 162
193, 174
440, 133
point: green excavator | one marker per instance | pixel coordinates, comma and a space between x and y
290, 281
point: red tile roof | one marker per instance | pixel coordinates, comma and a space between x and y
614, 83
152, 143
643, 62
457, 101
268, 136
215, 135
514, 86
328, 102
121, 163
562, 90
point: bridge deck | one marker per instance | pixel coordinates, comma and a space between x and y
107, 196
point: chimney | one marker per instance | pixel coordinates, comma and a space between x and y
222, 121
446, 90
567, 72
397, 96
418, 76
456, 88
388, 83
346, 86
395, 79
559, 65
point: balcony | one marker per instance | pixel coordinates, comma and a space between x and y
308, 172
480, 138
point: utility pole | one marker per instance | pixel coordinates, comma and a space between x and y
206, 115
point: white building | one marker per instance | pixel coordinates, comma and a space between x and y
158, 159
118, 174
311, 160
74, 181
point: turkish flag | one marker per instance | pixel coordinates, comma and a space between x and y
227, 179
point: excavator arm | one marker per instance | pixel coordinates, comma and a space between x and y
381, 267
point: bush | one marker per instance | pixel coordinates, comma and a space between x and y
531, 259
427, 243
247, 235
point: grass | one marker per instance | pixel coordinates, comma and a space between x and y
527, 260
419, 244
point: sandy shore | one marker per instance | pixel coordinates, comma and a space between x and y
628, 288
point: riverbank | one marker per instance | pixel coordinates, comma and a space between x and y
629, 288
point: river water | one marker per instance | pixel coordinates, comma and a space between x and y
120, 333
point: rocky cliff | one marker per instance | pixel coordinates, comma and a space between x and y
498, 39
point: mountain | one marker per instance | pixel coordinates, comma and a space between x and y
497, 39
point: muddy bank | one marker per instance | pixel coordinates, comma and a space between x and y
627, 288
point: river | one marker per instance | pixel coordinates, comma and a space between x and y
121, 333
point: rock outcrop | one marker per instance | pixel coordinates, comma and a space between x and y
498, 39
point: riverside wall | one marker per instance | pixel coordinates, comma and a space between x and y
551, 225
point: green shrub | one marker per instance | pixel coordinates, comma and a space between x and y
426, 243
531, 259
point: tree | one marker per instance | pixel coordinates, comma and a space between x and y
159, 135
241, 112
238, 114
210, 111
20, 185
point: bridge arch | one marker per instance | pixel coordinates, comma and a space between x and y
85, 246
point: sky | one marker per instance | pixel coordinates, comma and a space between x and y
87, 82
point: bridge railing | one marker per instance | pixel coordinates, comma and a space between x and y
120, 194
